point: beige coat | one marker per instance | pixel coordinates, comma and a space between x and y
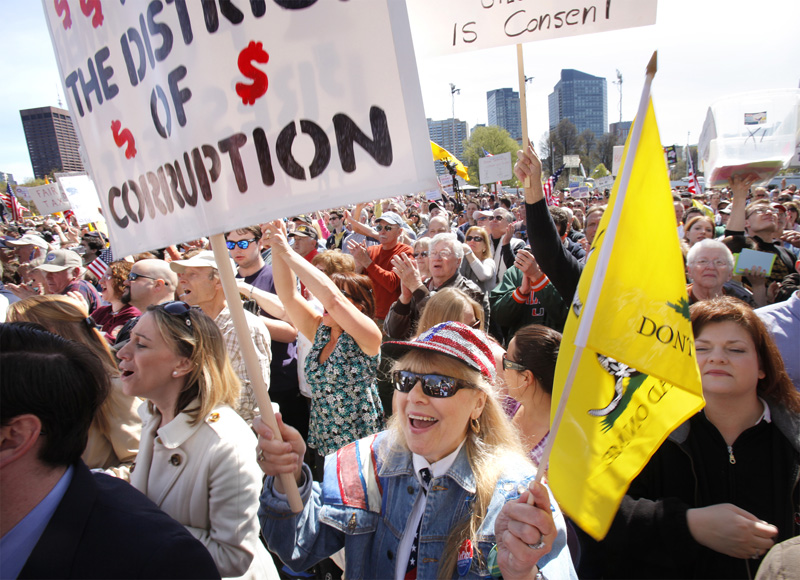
206, 477
115, 450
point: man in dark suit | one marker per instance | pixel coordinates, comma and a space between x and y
58, 519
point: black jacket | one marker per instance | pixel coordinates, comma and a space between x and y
104, 528
650, 538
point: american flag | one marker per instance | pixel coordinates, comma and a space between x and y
10, 201
549, 186
694, 185
99, 266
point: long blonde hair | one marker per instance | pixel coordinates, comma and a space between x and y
496, 449
476, 230
212, 381
62, 316
445, 305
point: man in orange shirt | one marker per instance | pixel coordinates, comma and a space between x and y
376, 262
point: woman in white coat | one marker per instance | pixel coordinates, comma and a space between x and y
196, 458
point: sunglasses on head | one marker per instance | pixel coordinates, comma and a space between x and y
509, 364
134, 276
474, 239
179, 308
380, 228
437, 386
243, 244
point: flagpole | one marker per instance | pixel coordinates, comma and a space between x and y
523, 104
609, 236
251, 363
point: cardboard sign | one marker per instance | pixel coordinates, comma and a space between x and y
603, 183
48, 198
201, 117
617, 163
447, 183
495, 168
450, 26
82, 196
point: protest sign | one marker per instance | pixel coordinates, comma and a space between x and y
603, 183
82, 196
447, 183
495, 168
48, 198
449, 26
433, 194
198, 118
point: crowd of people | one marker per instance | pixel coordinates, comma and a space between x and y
410, 347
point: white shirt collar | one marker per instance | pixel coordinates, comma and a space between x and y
766, 415
438, 468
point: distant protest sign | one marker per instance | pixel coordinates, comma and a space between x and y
82, 196
446, 181
450, 26
200, 117
495, 168
48, 198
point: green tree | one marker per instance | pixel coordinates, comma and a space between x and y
600, 171
493, 139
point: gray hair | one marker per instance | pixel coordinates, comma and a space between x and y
709, 244
450, 239
507, 215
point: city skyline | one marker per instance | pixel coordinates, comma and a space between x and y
701, 51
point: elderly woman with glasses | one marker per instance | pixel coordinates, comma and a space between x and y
445, 492
709, 265
196, 454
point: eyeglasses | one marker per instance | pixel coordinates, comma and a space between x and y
474, 239
716, 263
179, 308
437, 386
443, 254
497, 218
380, 228
510, 364
762, 210
134, 276
421, 255
243, 244
483, 218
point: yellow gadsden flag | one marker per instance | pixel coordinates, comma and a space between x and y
442, 154
637, 378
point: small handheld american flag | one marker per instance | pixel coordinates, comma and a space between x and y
550, 185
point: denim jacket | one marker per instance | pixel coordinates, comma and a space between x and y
364, 503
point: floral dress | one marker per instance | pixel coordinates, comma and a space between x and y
345, 405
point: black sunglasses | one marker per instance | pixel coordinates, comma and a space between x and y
510, 364
474, 239
134, 276
422, 254
438, 386
243, 244
379, 228
179, 308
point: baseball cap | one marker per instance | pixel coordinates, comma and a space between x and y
453, 339
391, 217
302, 218
28, 240
60, 260
204, 259
305, 232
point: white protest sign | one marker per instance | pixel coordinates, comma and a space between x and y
617, 163
449, 26
495, 168
48, 198
82, 196
579, 192
603, 183
433, 194
201, 117
447, 182
572, 161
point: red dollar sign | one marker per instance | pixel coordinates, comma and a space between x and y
89, 6
123, 137
62, 9
249, 93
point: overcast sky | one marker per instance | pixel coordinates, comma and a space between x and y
707, 49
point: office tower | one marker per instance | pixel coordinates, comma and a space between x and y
503, 107
620, 130
450, 134
582, 99
52, 142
